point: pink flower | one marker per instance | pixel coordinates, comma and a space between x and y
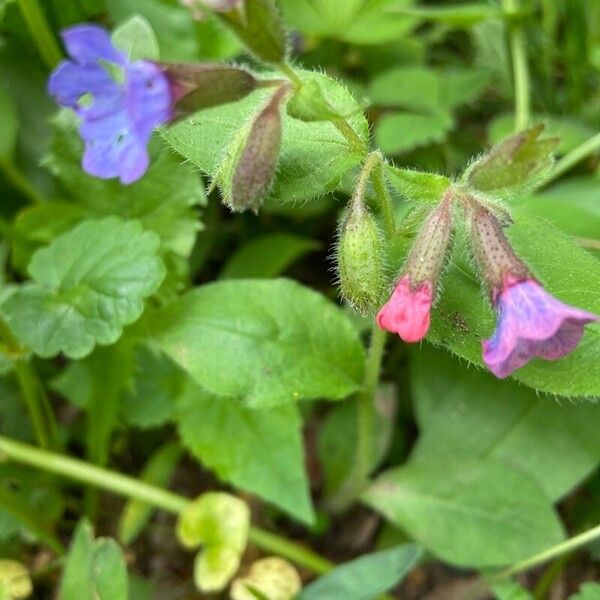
531, 323
407, 311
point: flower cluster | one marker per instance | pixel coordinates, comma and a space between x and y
119, 102
531, 323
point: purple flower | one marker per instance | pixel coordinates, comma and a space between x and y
531, 323
119, 102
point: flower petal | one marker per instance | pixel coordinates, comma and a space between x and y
407, 312
88, 43
532, 323
70, 81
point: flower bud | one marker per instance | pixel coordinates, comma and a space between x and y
361, 258
407, 312
246, 175
198, 86
519, 162
493, 252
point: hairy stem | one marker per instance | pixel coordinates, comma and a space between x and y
41, 32
520, 69
132, 488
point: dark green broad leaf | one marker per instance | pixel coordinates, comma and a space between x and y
267, 256
366, 577
463, 316
588, 591
87, 285
267, 342
314, 156
557, 444
354, 21
467, 511
163, 200
257, 450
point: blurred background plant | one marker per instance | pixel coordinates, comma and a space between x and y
233, 379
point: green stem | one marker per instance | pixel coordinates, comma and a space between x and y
575, 156
351, 136
38, 406
16, 178
289, 72
149, 494
520, 68
41, 32
565, 547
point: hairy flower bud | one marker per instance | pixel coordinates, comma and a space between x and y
407, 312
361, 258
202, 85
246, 175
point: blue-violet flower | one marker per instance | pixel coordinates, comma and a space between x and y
531, 323
119, 102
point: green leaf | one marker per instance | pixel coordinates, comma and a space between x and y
467, 511
270, 578
157, 471
510, 590
76, 582
462, 317
163, 200
412, 88
10, 125
87, 285
462, 16
136, 38
109, 571
588, 591
571, 205
220, 431
267, 342
556, 444
314, 156
156, 384
403, 131
267, 256
354, 21
309, 103
366, 577
416, 185
170, 21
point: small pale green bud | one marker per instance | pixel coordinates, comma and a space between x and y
258, 25
198, 86
246, 175
15, 582
361, 259
519, 162
272, 577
